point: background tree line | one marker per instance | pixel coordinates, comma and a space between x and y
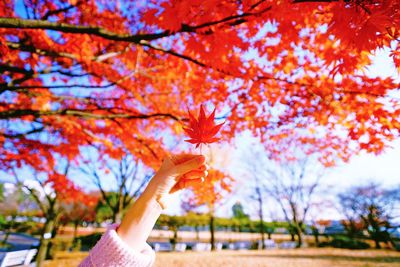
369, 214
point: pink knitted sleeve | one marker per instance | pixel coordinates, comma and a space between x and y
111, 251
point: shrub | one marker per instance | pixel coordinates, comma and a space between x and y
88, 241
76, 245
254, 245
58, 244
345, 242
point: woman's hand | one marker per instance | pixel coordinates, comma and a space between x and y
175, 173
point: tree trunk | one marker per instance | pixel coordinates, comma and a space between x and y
393, 243
114, 217
76, 224
261, 216
377, 244
44, 241
197, 233
316, 237
118, 217
315, 233
6, 235
299, 240
292, 237
269, 236
212, 231
174, 239
120, 207
54, 232
299, 234
7, 232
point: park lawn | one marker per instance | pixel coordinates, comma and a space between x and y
306, 257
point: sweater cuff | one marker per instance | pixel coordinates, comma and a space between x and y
112, 251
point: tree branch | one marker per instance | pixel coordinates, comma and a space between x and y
36, 130
17, 23
4, 67
57, 11
17, 113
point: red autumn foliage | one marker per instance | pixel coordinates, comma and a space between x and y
79, 209
118, 76
68, 192
212, 191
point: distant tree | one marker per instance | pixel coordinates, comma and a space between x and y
50, 189
238, 212
255, 171
196, 220
16, 202
347, 206
374, 207
316, 225
103, 211
292, 231
173, 223
289, 183
315, 232
127, 180
293, 185
210, 195
78, 211
224, 223
269, 229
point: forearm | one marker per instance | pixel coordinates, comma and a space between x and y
139, 220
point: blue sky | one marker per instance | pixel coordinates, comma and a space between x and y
383, 168
364, 168
361, 169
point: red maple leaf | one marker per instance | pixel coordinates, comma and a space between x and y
203, 129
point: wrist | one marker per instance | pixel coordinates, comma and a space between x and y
149, 196
158, 189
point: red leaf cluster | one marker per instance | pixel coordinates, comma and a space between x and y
304, 83
215, 188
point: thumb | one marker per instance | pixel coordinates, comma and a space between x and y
189, 165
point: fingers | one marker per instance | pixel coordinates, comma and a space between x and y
183, 183
191, 178
189, 165
204, 167
181, 158
195, 174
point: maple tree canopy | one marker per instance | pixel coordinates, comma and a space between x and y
120, 75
